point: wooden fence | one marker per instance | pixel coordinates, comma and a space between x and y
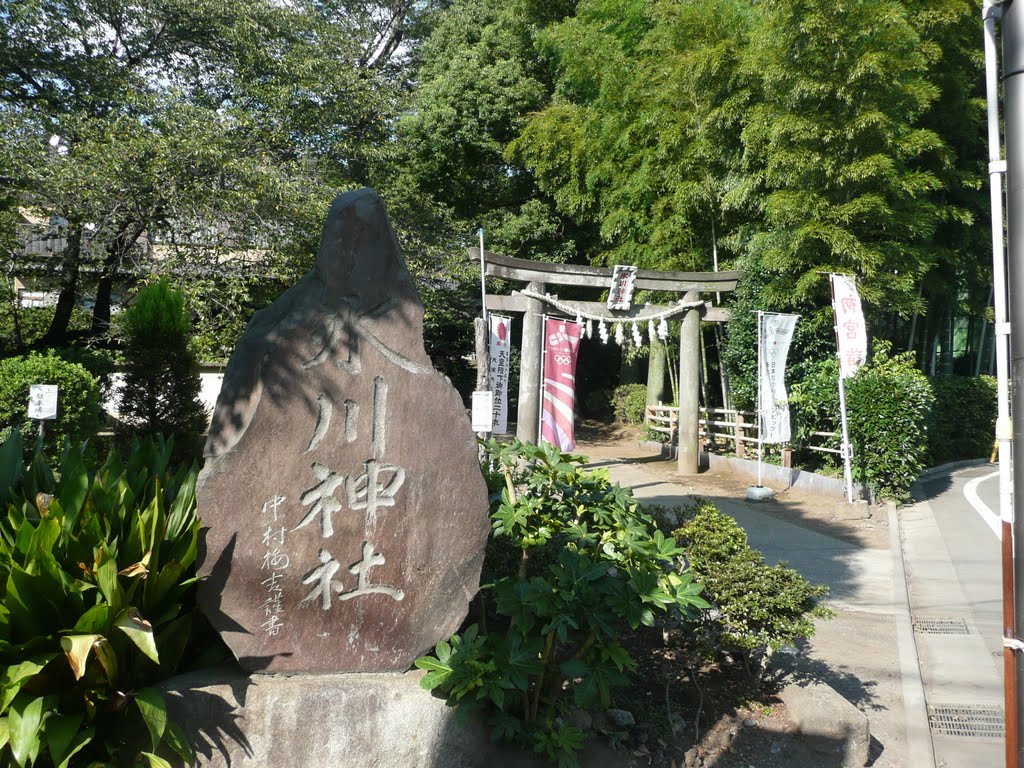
725, 429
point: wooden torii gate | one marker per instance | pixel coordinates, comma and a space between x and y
532, 301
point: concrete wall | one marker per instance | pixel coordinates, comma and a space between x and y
211, 375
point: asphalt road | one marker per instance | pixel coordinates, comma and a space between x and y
952, 553
966, 510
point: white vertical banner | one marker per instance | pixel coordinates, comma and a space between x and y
773, 409
851, 331
852, 347
500, 347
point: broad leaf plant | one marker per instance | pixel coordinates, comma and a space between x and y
95, 605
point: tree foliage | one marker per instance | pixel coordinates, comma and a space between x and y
160, 394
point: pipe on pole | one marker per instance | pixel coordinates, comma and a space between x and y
1010, 373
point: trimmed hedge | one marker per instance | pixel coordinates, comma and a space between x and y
889, 406
78, 406
963, 422
760, 607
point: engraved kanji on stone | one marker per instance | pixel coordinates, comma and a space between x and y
272, 534
272, 505
273, 625
345, 329
362, 571
320, 498
274, 559
322, 577
373, 489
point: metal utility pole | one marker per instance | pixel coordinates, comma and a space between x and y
1013, 95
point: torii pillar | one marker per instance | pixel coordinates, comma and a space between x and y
688, 452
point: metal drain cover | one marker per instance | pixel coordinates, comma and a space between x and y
967, 720
941, 626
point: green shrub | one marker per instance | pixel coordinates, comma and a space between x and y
962, 425
580, 563
161, 374
888, 405
760, 607
630, 403
96, 605
98, 362
814, 403
32, 324
78, 404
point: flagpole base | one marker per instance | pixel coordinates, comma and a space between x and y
760, 493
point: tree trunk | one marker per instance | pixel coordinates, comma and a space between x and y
116, 251
723, 372
656, 372
57, 335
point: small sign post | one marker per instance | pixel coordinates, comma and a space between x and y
482, 414
42, 404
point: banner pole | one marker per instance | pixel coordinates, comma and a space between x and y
760, 404
483, 281
847, 469
543, 363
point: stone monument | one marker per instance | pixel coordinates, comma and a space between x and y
346, 511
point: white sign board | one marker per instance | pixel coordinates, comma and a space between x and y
620, 295
42, 401
483, 404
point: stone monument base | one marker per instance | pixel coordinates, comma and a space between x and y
384, 720
362, 720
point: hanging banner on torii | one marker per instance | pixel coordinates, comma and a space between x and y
561, 347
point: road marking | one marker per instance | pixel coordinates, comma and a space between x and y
971, 493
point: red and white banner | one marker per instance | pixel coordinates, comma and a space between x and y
558, 395
851, 332
500, 346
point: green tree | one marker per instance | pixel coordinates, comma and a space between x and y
480, 77
160, 394
839, 159
217, 129
642, 137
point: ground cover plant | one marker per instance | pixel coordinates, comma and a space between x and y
96, 605
572, 564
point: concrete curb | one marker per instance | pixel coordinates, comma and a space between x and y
782, 478
915, 708
951, 467
797, 478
